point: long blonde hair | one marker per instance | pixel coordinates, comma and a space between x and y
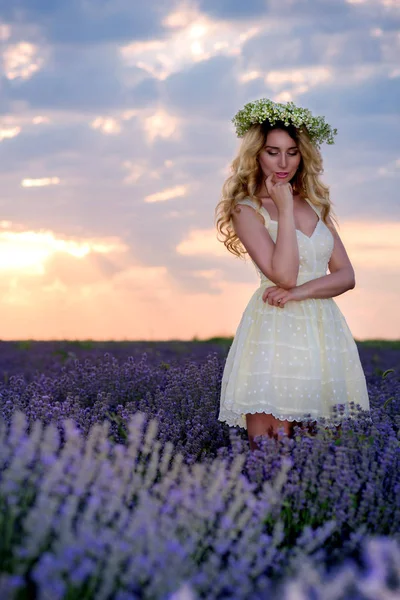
247, 177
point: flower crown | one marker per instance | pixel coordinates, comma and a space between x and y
264, 109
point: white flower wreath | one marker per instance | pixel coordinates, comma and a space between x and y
264, 109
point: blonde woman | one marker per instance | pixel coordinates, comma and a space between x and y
293, 358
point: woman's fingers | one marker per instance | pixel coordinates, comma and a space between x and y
273, 298
269, 183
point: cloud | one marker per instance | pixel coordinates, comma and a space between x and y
129, 106
375, 95
73, 271
205, 89
54, 144
193, 38
282, 48
234, 9
90, 21
75, 77
286, 11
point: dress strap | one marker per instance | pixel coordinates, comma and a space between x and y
316, 209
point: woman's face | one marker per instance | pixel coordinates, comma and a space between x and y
280, 155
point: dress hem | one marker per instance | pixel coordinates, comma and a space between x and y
321, 419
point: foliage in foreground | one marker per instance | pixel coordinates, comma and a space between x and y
117, 481
89, 518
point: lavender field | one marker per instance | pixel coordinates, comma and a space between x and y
118, 482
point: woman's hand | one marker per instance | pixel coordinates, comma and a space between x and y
280, 192
274, 293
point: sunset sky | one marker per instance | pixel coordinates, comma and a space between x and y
116, 138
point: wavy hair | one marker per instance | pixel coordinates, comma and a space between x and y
247, 177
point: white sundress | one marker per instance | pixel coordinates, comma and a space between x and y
298, 361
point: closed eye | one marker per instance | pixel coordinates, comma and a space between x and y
276, 153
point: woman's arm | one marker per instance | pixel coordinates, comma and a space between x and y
328, 286
286, 259
278, 262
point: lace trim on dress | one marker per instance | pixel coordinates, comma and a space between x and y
299, 418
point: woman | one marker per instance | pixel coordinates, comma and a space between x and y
293, 358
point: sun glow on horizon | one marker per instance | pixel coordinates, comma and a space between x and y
28, 251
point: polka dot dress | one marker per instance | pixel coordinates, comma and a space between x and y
295, 362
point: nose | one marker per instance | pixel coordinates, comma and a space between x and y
282, 160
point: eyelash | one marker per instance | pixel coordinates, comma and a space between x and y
276, 154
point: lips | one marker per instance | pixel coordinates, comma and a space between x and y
281, 174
